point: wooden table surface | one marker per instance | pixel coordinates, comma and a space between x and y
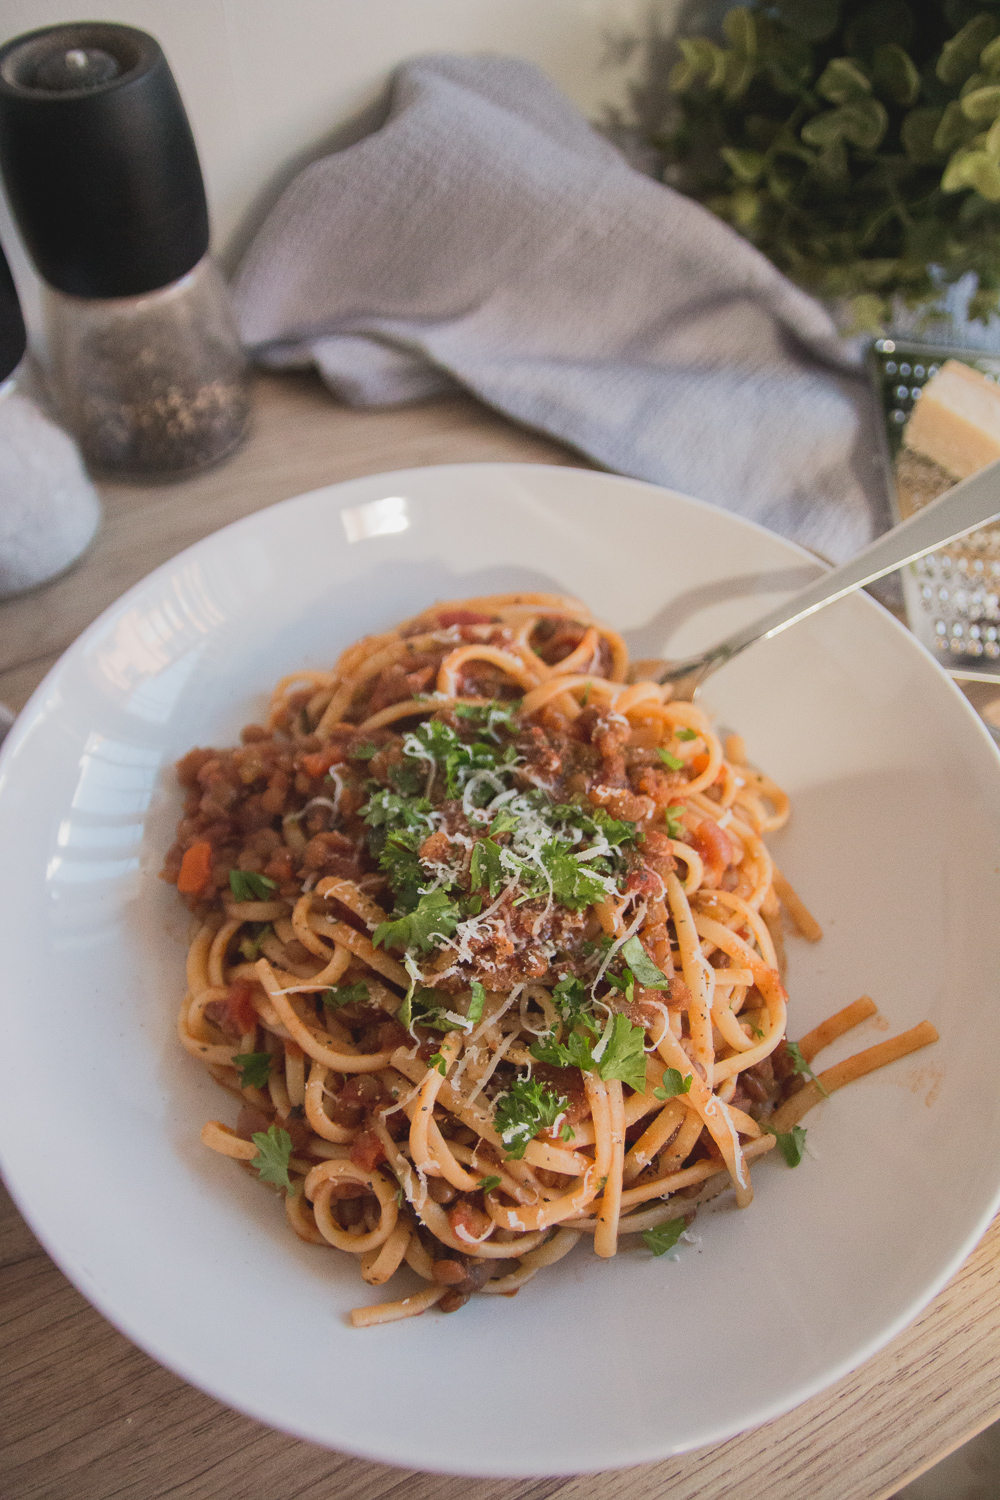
84, 1414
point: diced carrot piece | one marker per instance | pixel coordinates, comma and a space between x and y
196, 867
318, 763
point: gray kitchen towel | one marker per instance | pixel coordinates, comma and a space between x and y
485, 235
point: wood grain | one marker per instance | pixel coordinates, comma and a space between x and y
85, 1414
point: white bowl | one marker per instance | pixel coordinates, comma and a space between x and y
894, 843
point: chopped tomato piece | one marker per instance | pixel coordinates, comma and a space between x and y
196, 869
448, 617
367, 1151
239, 1003
716, 848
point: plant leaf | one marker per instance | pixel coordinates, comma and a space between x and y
746, 166
843, 82
861, 124
955, 128
895, 75
982, 106
741, 29
960, 55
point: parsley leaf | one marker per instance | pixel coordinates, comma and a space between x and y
254, 1068
422, 1007
573, 884
486, 868
799, 1065
489, 717
673, 761
346, 994
504, 822
405, 777
437, 1061
673, 1084
791, 1143
487, 1184
475, 1012
642, 965
247, 885
665, 1236
364, 752
433, 919
250, 946
570, 998
528, 1108
385, 809
575, 1052
687, 734
675, 827
624, 1056
274, 1150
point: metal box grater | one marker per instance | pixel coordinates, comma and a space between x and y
952, 595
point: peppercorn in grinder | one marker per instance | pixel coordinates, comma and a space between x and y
102, 174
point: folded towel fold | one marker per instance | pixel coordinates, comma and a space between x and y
486, 236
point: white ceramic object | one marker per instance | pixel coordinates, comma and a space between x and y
893, 843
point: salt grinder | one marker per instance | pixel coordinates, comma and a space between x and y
102, 175
48, 508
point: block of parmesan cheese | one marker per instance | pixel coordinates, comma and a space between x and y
956, 422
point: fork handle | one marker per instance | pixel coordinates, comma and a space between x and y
971, 504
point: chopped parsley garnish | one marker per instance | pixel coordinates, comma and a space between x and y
274, 1151
364, 752
673, 761
250, 946
487, 1184
247, 885
675, 827
385, 809
486, 868
433, 919
624, 1054
665, 1236
642, 966
617, 1052
527, 1109
673, 1084
475, 1012
437, 1061
573, 884
254, 1067
504, 822
422, 1007
489, 717
799, 1065
687, 734
346, 994
791, 1143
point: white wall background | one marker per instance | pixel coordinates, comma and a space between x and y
264, 80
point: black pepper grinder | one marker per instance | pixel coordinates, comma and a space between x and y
102, 174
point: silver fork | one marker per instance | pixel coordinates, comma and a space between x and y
968, 506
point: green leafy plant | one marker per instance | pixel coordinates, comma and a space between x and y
856, 144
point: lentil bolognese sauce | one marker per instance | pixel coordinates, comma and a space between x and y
486, 943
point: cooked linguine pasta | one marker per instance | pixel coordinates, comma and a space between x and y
487, 945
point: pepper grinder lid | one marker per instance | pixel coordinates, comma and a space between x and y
99, 161
13, 340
